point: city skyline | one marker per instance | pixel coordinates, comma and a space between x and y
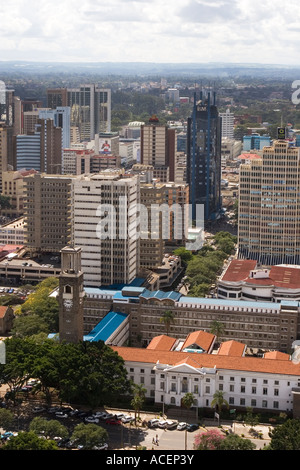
136, 31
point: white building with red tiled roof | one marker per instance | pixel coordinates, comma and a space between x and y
269, 383
246, 280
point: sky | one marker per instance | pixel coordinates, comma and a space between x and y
161, 31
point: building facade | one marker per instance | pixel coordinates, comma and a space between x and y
269, 189
204, 157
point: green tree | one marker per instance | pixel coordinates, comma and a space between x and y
187, 401
139, 395
286, 436
28, 325
4, 202
250, 418
89, 435
218, 402
29, 441
235, 442
217, 329
168, 319
184, 254
49, 429
6, 419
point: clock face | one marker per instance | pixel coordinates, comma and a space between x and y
68, 303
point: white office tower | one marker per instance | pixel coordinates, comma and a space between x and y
227, 124
104, 226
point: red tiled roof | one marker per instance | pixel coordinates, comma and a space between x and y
161, 343
277, 355
3, 310
247, 364
232, 348
203, 339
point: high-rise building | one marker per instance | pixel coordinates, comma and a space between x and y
90, 110
6, 149
158, 148
227, 124
57, 97
40, 150
47, 212
204, 157
256, 142
104, 225
61, 118
269, 206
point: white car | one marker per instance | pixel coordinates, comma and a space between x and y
91, 419
101, 447
181, 426
163, 423
61, 415
127, 419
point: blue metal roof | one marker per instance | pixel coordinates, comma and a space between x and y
105, 328
161, 295
229, 303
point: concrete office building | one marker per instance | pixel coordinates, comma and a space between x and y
104, 226
158, 148
61, 118
6, 150
269, 218
47, 211
40, 150
227, 124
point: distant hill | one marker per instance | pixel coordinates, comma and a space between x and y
151, 68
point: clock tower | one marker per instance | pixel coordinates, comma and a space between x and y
71, 294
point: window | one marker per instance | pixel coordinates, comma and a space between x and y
207, 389
253, 402
231, 388
276, 404
243, 389
265, 391
264, 404
253, 390
242, 401
276, 392
231, 401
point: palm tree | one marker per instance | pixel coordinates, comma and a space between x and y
187, 401
139, 393
168, 318
217, 328
218, 402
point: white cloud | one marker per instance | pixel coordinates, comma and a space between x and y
156, 31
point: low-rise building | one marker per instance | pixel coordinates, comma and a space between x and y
268, 383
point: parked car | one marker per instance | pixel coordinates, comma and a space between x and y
192, 427
181, 426
119, 415
101, 447
61, 415
171, 425
113, 421
99, 414
127, 419
91, 419
153, 423
107, 416
38, 409
162, 423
